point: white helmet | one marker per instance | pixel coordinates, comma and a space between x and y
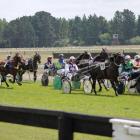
72, 58
127, 57
137, 57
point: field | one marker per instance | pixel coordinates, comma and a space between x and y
33, 95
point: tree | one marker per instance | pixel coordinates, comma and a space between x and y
128, 26
105, 39
42, 23
20, 33
75, 26
116, 25
135, 40
138, 26
92, 30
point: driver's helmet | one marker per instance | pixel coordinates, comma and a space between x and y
61, 55
8, 57
137, 57
72, 59
127, 57
49, 58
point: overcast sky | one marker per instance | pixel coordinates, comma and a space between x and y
11, 9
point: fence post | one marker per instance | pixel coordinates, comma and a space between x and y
65, 127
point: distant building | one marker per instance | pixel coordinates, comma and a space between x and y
115, 39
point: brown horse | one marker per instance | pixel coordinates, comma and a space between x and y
10, 67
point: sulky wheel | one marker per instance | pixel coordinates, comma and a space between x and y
138, 85
87, 85
121, 88
66, 87
45, 79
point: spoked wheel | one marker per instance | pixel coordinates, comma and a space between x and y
45, 79
66, 87
130, 86
0, 79
121, 88
138, 87
87, 85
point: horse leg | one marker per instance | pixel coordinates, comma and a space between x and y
100, 87
21, 75
94, 86
114, 87
35, 76
17, 78
4, 79
106, 87
6, 83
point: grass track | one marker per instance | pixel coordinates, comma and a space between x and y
35, 96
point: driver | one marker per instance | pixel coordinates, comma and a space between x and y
127, 67
48, 63
136, 64
7, 61
70, 67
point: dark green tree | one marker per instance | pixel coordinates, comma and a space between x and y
128, 26
45, 33
138, 26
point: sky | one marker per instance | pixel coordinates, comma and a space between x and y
12, 9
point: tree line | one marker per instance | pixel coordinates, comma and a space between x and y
44, 30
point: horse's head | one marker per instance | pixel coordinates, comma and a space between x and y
83, 56
17, 60
118, 58
37, 58
104, 54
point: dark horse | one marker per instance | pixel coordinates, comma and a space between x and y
11, 68
102, 57
110, 72
85, 59
30, 65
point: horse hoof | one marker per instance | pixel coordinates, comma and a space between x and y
95, 92
19, 84
10, 80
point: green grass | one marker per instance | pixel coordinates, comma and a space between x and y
35, 96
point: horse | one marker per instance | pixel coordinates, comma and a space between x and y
102, 56
85, 59
109, 72
10, 68
30, 65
